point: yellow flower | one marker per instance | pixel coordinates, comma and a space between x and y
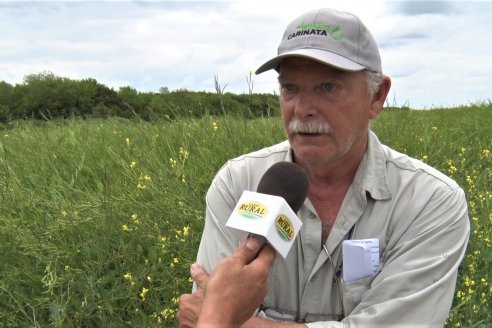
145, 177
173, 162
186, 231
167, 313
469, 282
127, 141
125, 228
183, 153
133, 165
135, 219
174, 262
143, 294
128, 276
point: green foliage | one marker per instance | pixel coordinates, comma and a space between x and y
101, 219
45, 96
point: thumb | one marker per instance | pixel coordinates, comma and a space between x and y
199, 275
248, 250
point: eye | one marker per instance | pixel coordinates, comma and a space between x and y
288, 90
329, 87
288, 87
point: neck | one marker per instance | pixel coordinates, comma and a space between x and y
334, 174
328, 185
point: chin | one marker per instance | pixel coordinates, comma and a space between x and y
309, 154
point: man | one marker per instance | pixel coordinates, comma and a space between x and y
331, 87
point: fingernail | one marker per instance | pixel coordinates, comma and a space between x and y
252, 243
193, 268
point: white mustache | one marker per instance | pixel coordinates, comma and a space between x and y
298, 126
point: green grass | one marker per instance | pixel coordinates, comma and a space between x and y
101, 219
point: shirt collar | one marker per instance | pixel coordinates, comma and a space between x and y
371, 176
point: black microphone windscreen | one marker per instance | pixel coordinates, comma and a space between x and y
287, 180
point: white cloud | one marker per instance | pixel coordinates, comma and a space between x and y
430, 50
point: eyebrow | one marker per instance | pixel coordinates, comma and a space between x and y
280, 78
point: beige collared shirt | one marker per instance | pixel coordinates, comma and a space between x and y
418, 214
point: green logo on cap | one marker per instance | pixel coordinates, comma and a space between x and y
318, 29
316, 26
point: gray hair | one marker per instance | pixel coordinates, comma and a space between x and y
374, 80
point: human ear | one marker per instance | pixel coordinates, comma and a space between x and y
377, 102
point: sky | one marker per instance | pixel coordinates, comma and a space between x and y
437, 53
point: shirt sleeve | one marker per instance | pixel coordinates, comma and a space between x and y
416, 284
217, 242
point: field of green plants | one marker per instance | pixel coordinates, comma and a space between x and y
101, 219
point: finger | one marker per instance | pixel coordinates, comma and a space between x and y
267, 254
199, 275
264, 259
248, 250
183, 312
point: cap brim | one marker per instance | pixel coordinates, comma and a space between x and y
322, 56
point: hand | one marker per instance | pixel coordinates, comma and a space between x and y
232, 293
237, 286
190, 305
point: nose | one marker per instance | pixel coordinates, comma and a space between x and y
305, 105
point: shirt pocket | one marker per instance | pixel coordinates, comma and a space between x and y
353, 293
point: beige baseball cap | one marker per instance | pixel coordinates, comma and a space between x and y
332, 37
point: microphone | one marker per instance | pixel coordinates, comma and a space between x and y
270, 213
287, 180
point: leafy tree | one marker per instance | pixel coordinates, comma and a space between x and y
6, 101
164, 90
46, 96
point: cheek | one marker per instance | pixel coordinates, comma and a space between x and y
285, 123
287, 113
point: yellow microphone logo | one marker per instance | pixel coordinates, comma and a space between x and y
284, 227
252, 210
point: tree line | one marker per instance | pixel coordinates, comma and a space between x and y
44, 96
